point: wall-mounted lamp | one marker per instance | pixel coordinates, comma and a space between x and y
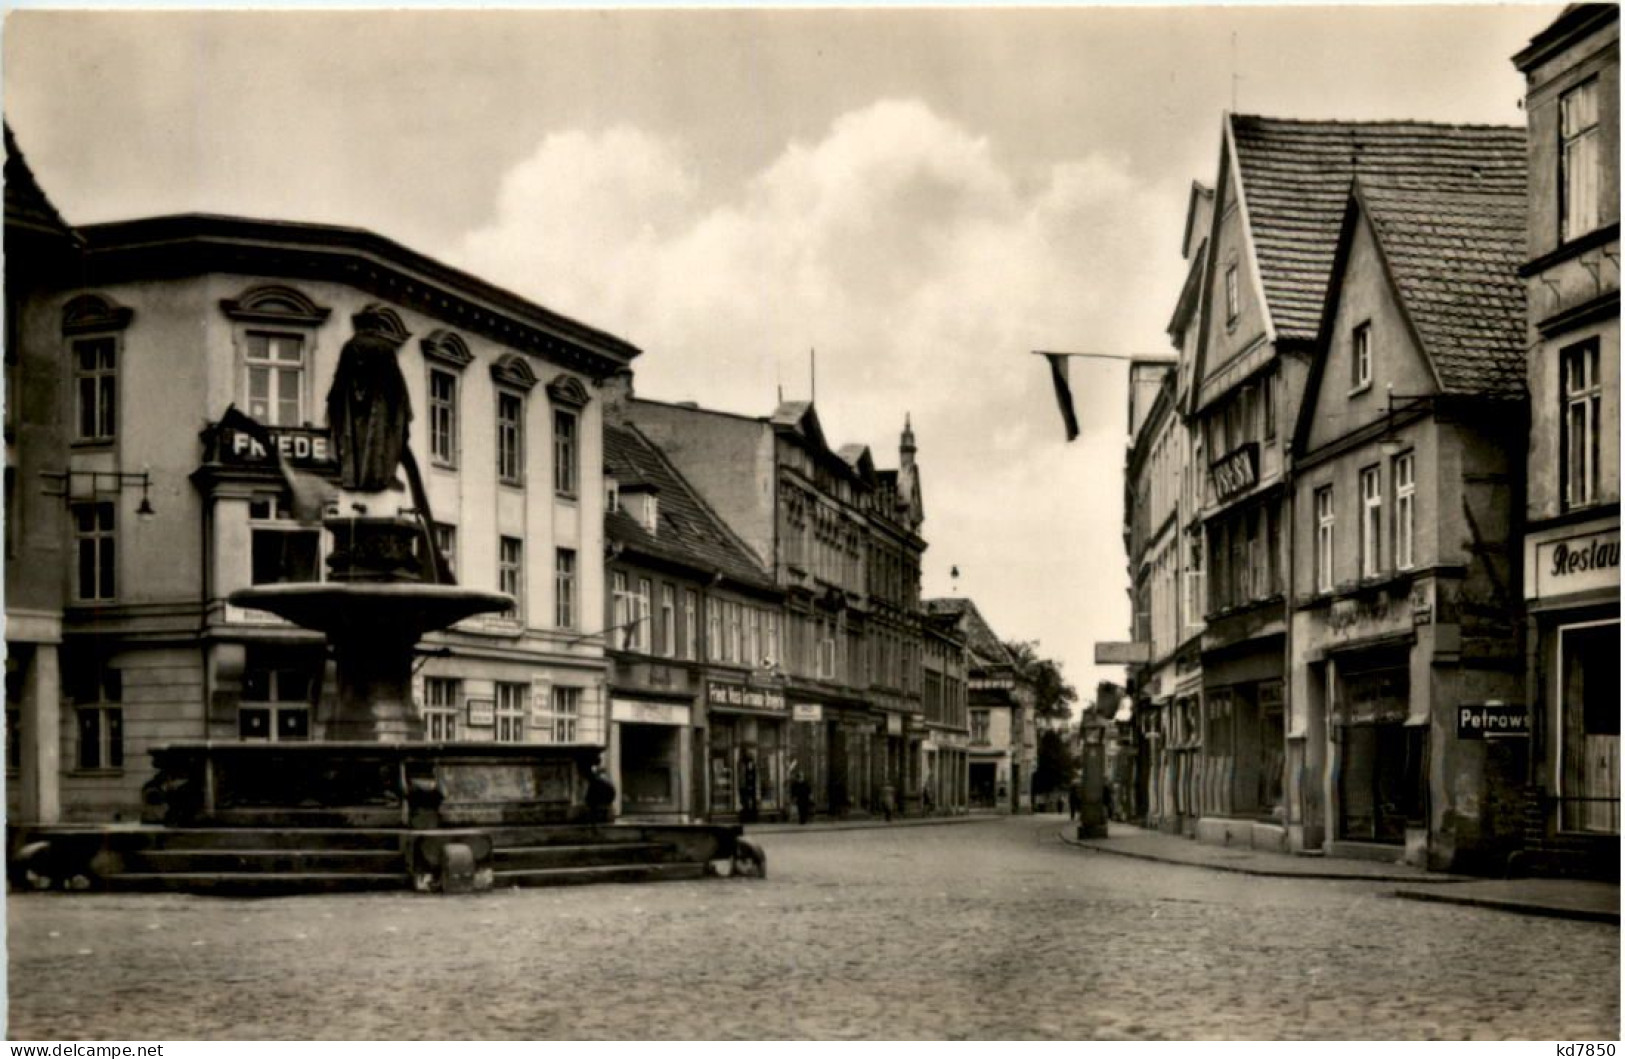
67, 485
1391, 444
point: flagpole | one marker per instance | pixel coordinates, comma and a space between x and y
1141, 358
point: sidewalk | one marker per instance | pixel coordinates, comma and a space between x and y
1562, 898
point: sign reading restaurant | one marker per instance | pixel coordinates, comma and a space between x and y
1578, 563
742, 697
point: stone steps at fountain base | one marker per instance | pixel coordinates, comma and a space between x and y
599, 874
256, 883
521, 858
266, 861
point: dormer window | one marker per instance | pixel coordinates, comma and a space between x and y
642, 502
612, 496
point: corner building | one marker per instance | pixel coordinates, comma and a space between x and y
175, 320
1571, 543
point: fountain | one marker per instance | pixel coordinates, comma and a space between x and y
372, 805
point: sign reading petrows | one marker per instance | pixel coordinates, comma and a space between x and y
1492, 720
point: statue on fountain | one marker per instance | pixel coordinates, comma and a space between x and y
368, 409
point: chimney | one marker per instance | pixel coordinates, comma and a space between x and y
617, 393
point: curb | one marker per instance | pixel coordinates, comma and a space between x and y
1237, 869
1512, 905
861, 825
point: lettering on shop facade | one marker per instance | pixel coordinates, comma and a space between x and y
745, 698
1236, 472
1492, 720
301, 446
1578, 563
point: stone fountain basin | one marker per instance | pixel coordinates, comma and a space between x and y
362, 608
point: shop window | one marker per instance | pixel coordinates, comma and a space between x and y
1582, 435
1382, 775
510, 706
442, 697
282, 549
1580, 161
722, 765
1588, 696
277, 690
1271, 749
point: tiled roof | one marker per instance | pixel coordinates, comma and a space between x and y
1454, 256
1295, 178
689, 532
26, 203
979, 636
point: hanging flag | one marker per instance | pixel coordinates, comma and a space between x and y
1063, 392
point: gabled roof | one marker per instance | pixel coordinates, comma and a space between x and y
1454, 257
980, 639
26, 203
689, 532
1294, 181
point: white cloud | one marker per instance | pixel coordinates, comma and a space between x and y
923, 271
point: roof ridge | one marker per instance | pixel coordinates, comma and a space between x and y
1367, 123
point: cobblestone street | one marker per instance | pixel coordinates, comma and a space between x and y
989, 929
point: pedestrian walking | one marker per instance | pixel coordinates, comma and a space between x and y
1074, 801
801, 794
747, 790
600, 795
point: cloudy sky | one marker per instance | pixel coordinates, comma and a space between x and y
922, 196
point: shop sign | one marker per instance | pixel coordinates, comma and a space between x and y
740, 696
637, 711
1121, 653
808, 711
1235, 473
1492, 720
894, 724
300, 446
1576, 564
482, 713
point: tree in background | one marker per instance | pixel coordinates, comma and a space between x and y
1052, 703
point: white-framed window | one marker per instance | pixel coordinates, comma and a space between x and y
713, 630
1360, 357
95, 381
563, 720
1370, 521
1232, 293
668, 620
512, 700
511, 572
1580, 160
564, 588
638, 636
96, 546
443, 416
1325, 525
735, 651
277, 688
281, 549
442, 698
565, 451
770, 645
1195, 596
275, 363
691, 624
826, 653
622, 596
97, 691
510, 438
981, 728
1405, 511
1581, 384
